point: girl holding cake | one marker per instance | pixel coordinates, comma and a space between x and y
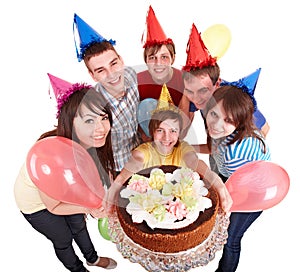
84, 118
166, 148
235, 141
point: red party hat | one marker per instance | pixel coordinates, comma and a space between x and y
155, 33
198, 55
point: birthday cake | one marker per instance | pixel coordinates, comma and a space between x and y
167, 209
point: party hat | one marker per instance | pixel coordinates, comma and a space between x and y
63, 89
247, 84
155, 33
165, 100
198, 55
87, 36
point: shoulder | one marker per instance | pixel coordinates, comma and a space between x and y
129, 72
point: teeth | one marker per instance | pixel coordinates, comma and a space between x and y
99, 137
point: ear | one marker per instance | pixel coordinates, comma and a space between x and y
173, 60
218, 82
121, 59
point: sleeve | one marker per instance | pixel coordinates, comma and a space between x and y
192, 107
259, 119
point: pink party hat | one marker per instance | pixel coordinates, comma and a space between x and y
198, 55
155, 33
63, 89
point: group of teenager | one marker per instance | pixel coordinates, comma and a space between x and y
103, 119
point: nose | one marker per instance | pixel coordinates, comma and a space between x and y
166, 135
99, 125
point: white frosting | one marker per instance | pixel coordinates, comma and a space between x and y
154, 196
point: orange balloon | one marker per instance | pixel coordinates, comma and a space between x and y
257, 186
217, 39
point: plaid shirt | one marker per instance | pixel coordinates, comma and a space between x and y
124, 113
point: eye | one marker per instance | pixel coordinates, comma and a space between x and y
151, 58
89, 121
229, 120
159, 130
105, 117
213, 114
203, 91
174, 131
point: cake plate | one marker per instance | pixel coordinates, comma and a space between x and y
152, 261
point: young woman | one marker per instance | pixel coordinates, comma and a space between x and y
235, 141
84, 118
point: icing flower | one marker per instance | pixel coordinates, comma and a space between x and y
138, 183
182, 189
148, 201
157, 179
166, 200
177, 208
190, 202
159, 212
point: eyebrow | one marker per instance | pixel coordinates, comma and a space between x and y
102, 67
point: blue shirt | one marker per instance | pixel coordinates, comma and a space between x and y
230, 157
124, 132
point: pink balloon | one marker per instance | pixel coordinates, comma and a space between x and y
64, 170
257, 185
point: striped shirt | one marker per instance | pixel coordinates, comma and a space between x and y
124, 114
230, 157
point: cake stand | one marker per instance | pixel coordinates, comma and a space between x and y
152, 261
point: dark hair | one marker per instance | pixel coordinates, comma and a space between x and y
96, 49
161, 115
94, 101
212, 71
151, 50
239, 105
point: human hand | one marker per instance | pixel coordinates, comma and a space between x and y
110, 198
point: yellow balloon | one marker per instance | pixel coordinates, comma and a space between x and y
217, 39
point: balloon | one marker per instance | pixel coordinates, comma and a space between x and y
257, 185
217, 39
103, 228
144, 113
64, 170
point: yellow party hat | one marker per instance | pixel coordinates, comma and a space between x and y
165, 100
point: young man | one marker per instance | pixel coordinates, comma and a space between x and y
159, 56
201, 76
117, 83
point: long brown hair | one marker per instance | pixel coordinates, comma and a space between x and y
239, 105
95, 102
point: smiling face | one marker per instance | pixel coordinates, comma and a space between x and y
107, 68
166, 136
91, 128
219, 124
159, 64
199, 90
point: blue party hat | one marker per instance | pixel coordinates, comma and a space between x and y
247, 84
87, 36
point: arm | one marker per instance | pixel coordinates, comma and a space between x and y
61, 208
187, 116
202, 148
211, 177
134, 165
265, 129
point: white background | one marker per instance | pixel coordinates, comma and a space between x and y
37, 38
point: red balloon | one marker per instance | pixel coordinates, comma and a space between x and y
65, 171
257, 185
